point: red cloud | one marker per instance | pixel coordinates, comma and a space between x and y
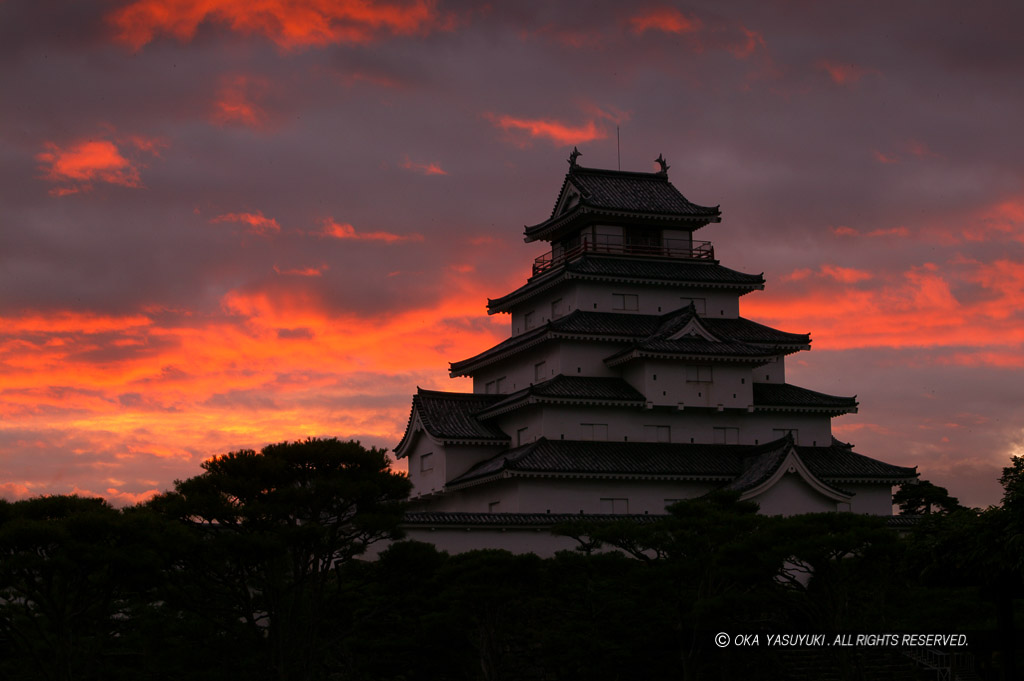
744, 49
303, 271
257, 222
425, 168
841, 74
80, 164
556, 131
289, 23
237, 102
663, 19
343, 230
884, 158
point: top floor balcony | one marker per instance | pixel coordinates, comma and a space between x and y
682, 249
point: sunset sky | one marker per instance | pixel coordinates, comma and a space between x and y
225, 223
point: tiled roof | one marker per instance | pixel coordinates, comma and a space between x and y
632, 191
537, 520
787, 395
661, 272
833, 464
838, 462
613, 458
701, 340
617, 326
451, 417
646, 194
577, 389
514, 519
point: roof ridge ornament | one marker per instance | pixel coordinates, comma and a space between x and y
576, 153
664, 165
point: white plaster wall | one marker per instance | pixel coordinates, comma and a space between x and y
870, 499
665, 383
477, 499
566, 495
697, 425
792, 495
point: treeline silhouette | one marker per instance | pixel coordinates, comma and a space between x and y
251, 570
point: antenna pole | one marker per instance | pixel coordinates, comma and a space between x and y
618, 150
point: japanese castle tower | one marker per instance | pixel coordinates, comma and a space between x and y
630, 381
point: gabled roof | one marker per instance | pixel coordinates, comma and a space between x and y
750, 465
685, 334
602, 192
616, 326
450, 418
591, 390
646, 270
787, 397
763, 470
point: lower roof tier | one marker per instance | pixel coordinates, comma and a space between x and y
739, 467
654, 271
464, 418
739, 337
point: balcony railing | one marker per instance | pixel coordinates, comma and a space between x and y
683, 250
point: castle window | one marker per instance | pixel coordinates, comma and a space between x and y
539, 371
614, 505
493, 506
557, 309
625, 301
426, 463
726, 436
783, 432
700, 304
593, 431
499, 385
521, 436
528, 320
489, 388
698, 374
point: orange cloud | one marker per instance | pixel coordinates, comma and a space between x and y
918, 308
663, 19
845, 275
555, 131
257, 222
303, 271
236, 102
425, 168
343, 230
842, 74
80, 164
288, 23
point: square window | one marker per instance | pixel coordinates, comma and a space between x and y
625, 301
657, 433
698, 374
614, 505
726, 436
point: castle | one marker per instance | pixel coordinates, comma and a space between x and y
629, 381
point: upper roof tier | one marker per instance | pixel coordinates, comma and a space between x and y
616, 196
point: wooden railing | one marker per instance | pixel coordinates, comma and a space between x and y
692, 250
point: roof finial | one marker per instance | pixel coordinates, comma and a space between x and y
664, 165
573, 156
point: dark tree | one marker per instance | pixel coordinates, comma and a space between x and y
921, 497
277, 525
63, 565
